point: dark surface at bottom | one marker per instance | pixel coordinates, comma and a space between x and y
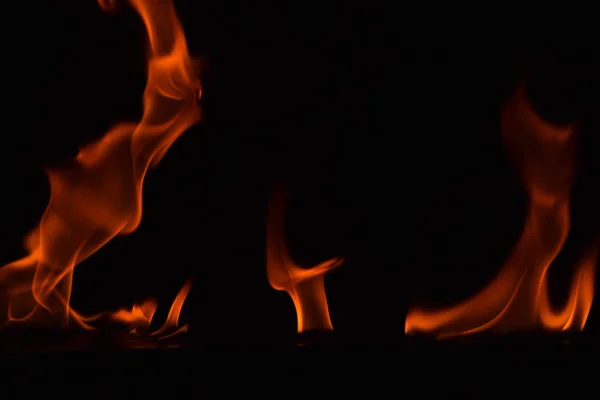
320, 373
417, 367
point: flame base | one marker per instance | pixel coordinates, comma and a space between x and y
316, 339
54, 341
542, 341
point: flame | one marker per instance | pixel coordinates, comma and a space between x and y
100, 195
172, 321
517, 298
306, 286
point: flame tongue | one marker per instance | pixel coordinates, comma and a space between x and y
517, 299
306, 287
140, 315
101, 195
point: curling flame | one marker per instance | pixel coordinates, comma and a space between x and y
140, 315
305, 286
517, 299
100, 196
173, 317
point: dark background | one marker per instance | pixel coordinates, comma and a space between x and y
387, 135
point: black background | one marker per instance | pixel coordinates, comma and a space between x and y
384, 128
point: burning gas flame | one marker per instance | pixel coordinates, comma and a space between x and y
517, 299
306, 286
100, 195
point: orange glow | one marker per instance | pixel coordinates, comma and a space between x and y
306, 286
100, 196
517, 298
172, 322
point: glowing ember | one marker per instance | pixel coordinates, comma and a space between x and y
306, 286
101, 195
517, 299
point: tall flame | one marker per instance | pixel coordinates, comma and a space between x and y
517, 299
306, 286
100, 195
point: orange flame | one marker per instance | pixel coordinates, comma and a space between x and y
100, 196
517, 299
305, 286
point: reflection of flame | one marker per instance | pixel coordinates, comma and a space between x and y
100, 196
517, 298
305, 286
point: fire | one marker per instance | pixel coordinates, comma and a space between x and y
517, 299
100, 195
306, 286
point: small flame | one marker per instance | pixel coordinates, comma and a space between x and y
100, 196
172, 322
306, 286
140, 315
517, 299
